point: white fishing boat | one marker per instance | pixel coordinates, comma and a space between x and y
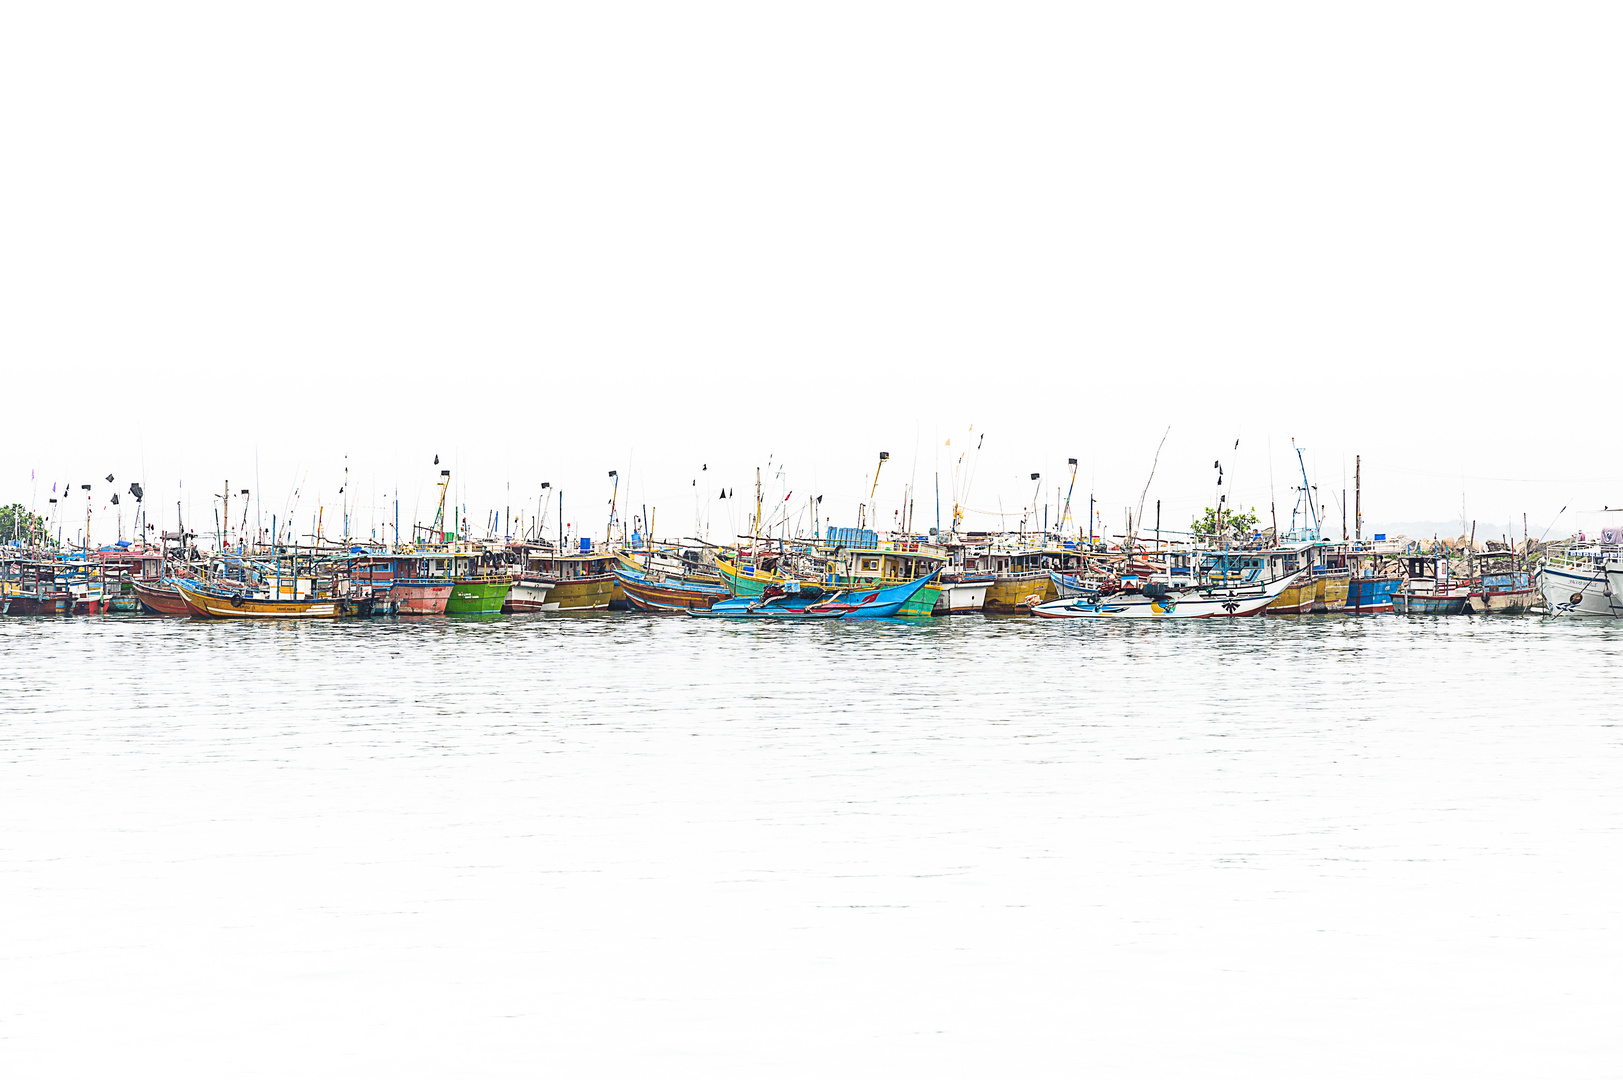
1585, 580
1227, 585
961, 596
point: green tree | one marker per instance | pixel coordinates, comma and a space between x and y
1236, 524
16, 523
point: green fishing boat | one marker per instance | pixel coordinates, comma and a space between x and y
480, 595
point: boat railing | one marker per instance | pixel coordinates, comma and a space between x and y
1588, 557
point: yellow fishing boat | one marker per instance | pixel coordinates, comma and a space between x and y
1330, 591
210, 603
583, 582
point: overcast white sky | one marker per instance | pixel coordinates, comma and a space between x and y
546, 241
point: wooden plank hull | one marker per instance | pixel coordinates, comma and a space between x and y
960, 597
529, 594
1330, 593
581, 594
1517, 601
160, 598
1011, 594
419, 597
209, 605
670, 595
1405, 603
1296, 600
39, 604
1371, 595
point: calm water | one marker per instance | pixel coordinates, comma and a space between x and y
641, 846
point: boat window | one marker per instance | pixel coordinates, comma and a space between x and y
870, 566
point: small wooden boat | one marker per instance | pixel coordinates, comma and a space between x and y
1428, 589
209, 602
160, 598
1502, 586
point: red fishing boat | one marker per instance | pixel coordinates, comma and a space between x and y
160, 598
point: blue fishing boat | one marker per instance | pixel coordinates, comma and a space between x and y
1429, 588
795, 600
1372, 595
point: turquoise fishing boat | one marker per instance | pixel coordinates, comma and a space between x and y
792, 600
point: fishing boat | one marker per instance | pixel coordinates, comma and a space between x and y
160, 598
578, 582
660, 592
1371, 594
478, 594
1584, 580
775, 603
1332, 582
1299, 597
1071, 586
1230, 586
1429, 589
214, 602
961, 595
845, 559
797, 599
529, 594
403, 583
1502, 586
39, 586
1018, 578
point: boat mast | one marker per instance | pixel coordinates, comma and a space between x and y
439, 515
1358, 498
1065, 514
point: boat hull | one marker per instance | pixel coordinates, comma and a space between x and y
668, 595
960, 597
581, 594
529, 595
1592, 594
1502, 601
160, 598
1406, 603
1330, 593
34, 604
1371, 595
419, 597
1298, 599
1012, 594
852, 603
478, 596
210, 605
1207, 603
747, 582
